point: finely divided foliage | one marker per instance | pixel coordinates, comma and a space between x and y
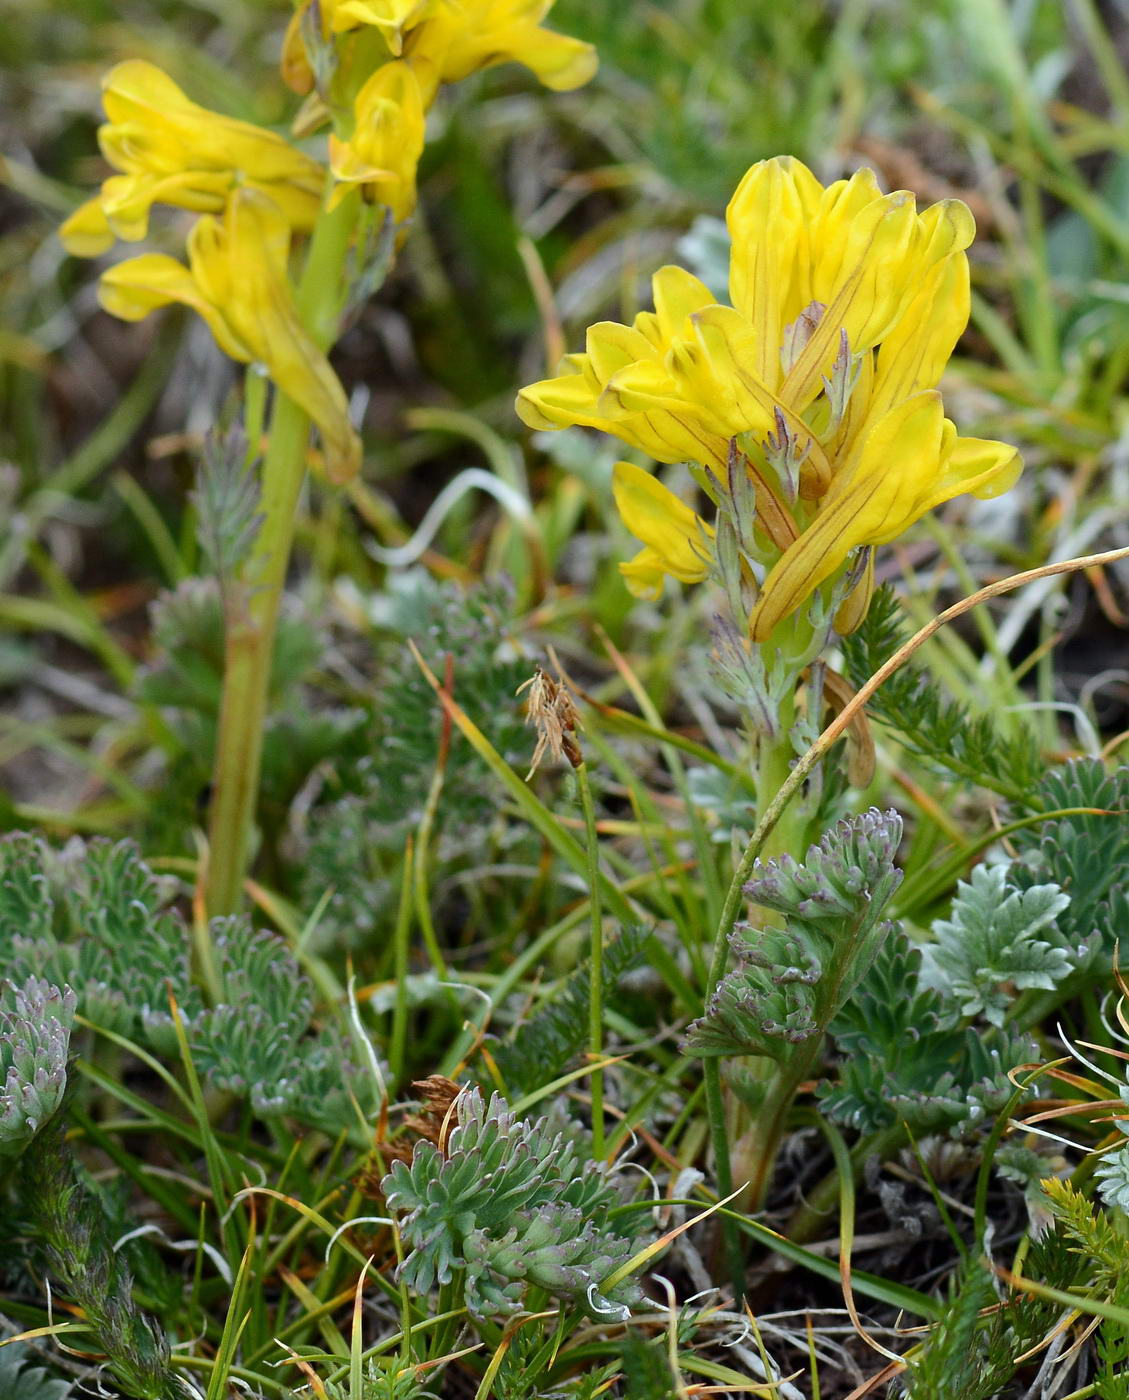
508, 1206
1086, 853
22, 1379
95, 917
990, 942
907, 1056
792, 980
35, 1027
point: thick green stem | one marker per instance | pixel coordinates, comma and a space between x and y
249, 642
248, 651
763, 1127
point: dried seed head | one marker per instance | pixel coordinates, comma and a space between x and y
550, 710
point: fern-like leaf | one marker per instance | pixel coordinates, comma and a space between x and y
989, 943
35, 1030
1087, 855
542, 1048
930, 724
22, 1379
509, 1204
904, 1060
791, 981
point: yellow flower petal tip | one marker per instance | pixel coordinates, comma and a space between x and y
847, 304
676, 539
445, 40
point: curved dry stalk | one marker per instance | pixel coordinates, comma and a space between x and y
851, 709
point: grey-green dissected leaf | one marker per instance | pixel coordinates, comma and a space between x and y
904, 1061
35, 1029
509, 1204
1086, 854
1113, 1178
226, 497
378, 785
791, 981
22, 1379
94, 916
258, 1039
990, 942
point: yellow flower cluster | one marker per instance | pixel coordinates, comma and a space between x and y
846, 306
381, 63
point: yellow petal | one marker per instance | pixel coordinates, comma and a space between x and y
946, 227
643, 406
873, 258
610, 347
856, 605
260, 307
391, 17
174, 151
976, 466
714, 371
86, 233
914, 355
768, 217
387, 139
644, 574
140, 97
661, 521
901, 458
717, 369
297, 72
677, 295
864, 295
133, 288
644, 386
127, 199
565, 401
483, 39
830, 226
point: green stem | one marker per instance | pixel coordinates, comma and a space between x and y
400, 964
772, 777
595, 960
764, 1123
249, 642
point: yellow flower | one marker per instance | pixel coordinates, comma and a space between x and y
390, 19
171, 151
387, 141
237, 280
624, 384
625, 365
846, 306
446, 40
674, 538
